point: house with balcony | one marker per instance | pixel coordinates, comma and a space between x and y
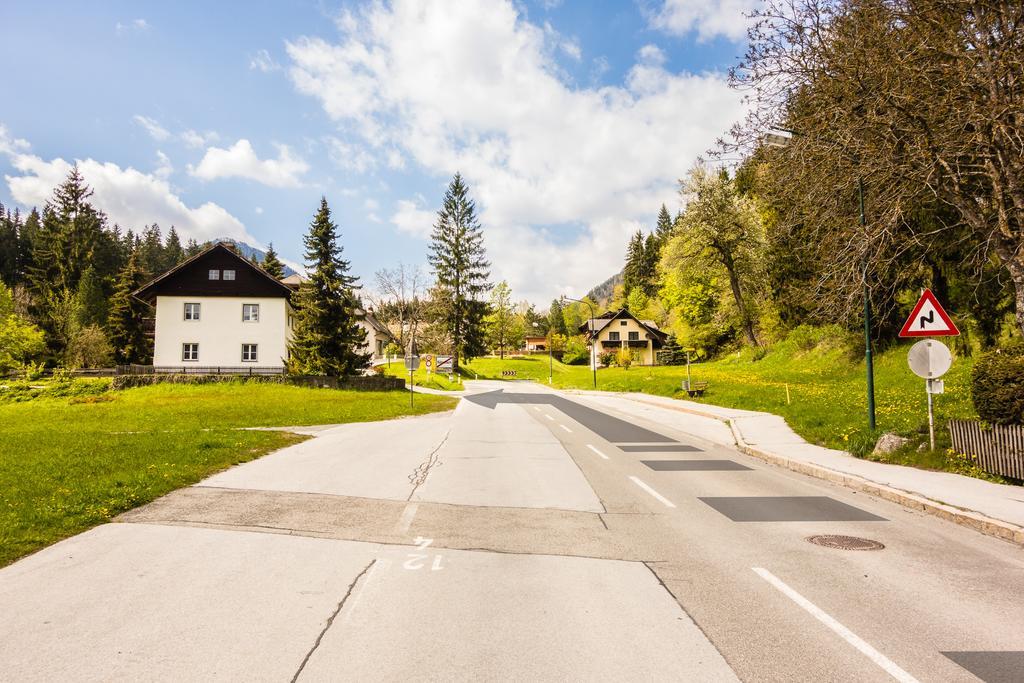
615, 330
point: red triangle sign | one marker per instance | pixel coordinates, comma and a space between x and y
929, 319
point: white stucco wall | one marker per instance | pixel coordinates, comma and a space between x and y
220, 331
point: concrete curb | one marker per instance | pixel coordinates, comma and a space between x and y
914, 501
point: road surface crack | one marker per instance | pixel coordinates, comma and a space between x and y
422, 471
330, 620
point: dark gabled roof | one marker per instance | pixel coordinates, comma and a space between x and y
372, 321
190, 278
603, 320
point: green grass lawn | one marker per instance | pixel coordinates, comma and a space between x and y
69, 464
432, 380
826, 405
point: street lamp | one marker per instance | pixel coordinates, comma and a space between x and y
593, 336
780, 137
551, 358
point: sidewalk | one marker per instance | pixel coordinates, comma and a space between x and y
993, 509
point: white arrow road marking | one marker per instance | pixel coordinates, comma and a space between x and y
645, 487
845, 633
597, 451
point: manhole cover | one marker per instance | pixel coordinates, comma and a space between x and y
846, 542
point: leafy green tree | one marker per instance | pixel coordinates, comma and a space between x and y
127, 335
272, 264
88, 348
460, 272
505, 327
327, 337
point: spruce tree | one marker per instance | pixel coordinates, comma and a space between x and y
633, 272
151, 252
173, 253
272, 264
8, 248
327, 338
460, 271
664, 228
127, 336
649, 273
556, 318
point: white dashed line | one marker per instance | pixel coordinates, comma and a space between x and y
846, 634
597, 451
645, 487
565, 428
549, 417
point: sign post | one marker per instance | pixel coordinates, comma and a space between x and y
929, 359
412, 363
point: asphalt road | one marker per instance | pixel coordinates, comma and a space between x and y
529, 535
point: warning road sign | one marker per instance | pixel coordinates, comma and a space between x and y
929, 319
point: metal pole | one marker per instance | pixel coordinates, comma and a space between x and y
551, 358
868, 360
593, 346
412, 379
931, 414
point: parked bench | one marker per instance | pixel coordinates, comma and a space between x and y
695, 389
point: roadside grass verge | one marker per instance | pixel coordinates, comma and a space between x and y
826, 404
67, 464
432, 381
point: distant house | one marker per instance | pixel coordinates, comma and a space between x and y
535, 344
617, 329
220, 310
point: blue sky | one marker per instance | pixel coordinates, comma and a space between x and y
570, 121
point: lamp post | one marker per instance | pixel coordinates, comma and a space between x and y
780, 137
593, 336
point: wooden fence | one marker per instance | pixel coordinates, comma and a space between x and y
999, 448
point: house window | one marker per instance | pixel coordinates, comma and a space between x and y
190, 352
229, 275
623, 322
634, 336
613, 336
214, 274
250, 313
191, 311
291, 321
248, 353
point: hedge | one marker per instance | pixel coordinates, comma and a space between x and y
997, 385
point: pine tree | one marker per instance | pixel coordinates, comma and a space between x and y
649, 273
173, 254
151, 252
327, 338
664, 228
460, 271
272, 264
127, 336
28, 236
633, 272
8, 248
192, 248
556, 319
91, 300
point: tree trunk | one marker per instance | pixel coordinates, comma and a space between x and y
734, 283
1016, 267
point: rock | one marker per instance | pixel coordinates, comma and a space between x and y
889, 442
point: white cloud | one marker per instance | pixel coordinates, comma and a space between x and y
473, 87
348, 156
413, 220
129, 197
9, 145
240, 161
262, 61
135, 25
153, 127
164, 168
708, 18
197, 140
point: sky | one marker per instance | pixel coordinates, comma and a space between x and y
570, 121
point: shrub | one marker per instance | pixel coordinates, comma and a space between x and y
576, 351
606, 358
624, 358
997, 385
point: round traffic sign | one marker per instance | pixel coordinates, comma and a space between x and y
929, 359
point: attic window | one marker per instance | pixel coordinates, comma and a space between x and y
214, 274
622, 322
229, 275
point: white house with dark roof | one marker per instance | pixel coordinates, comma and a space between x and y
220, 310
